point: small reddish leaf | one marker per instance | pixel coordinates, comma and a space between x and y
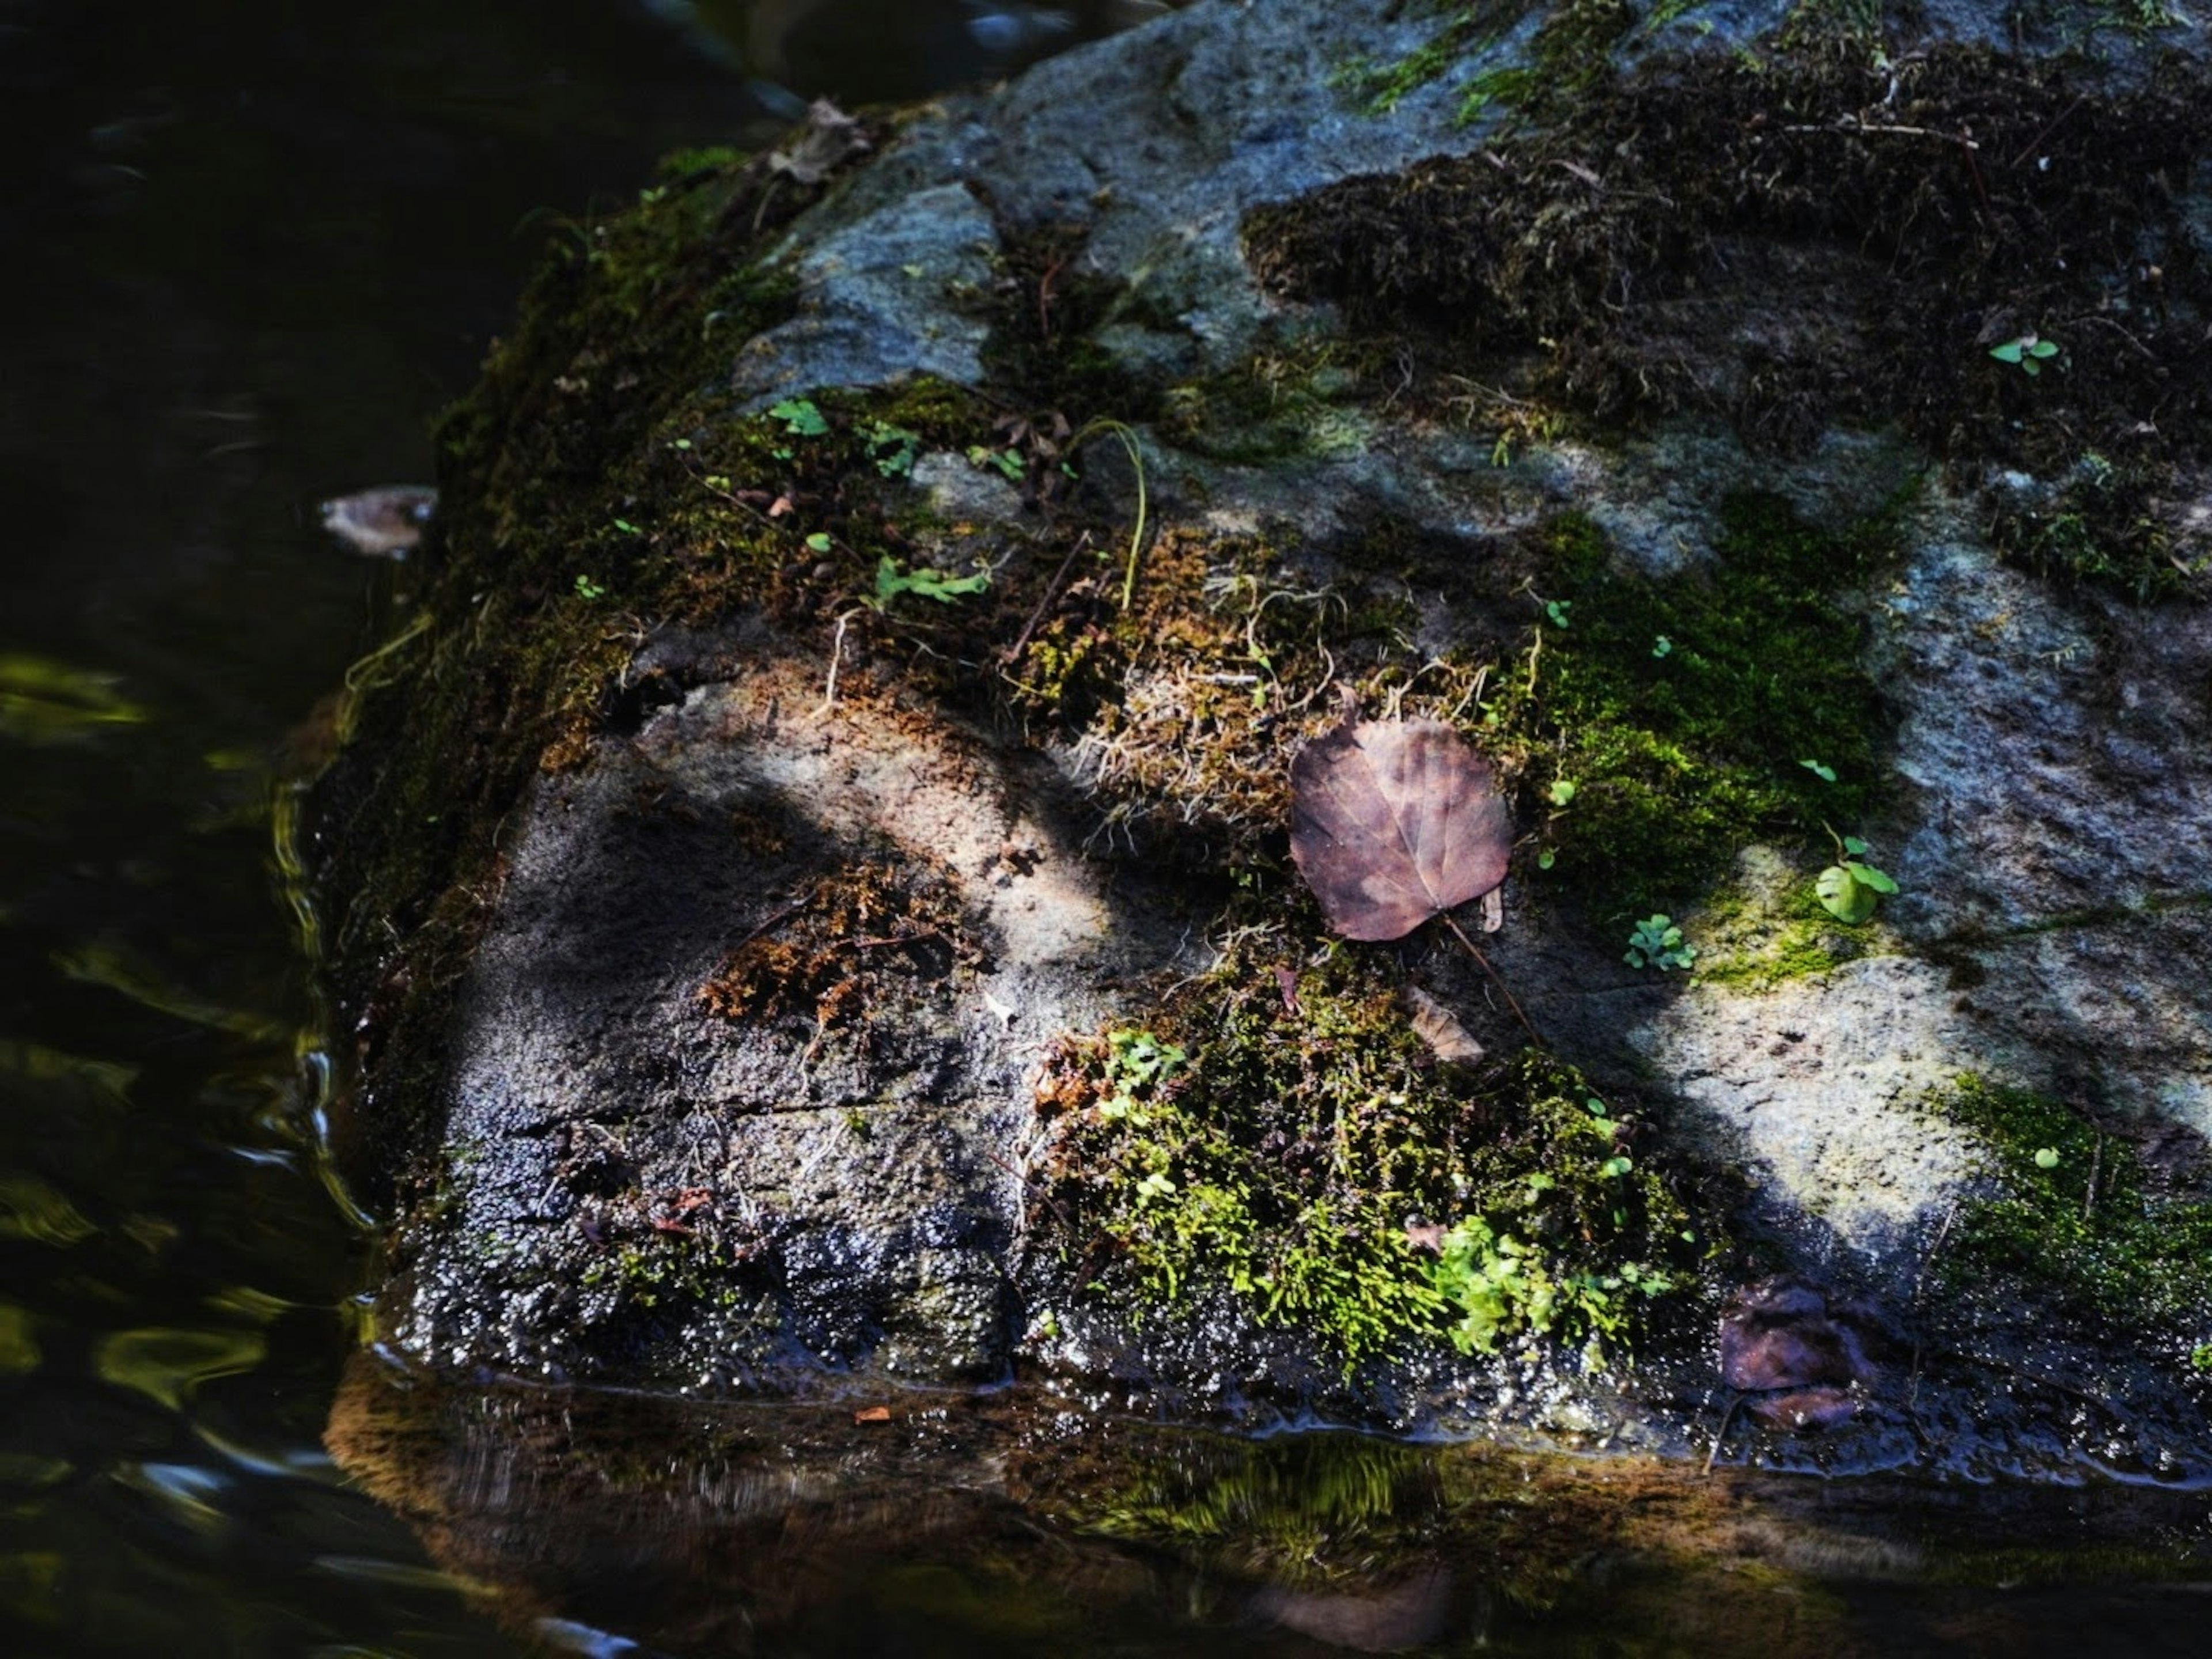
1438, 1027
1392, 823
873, 1415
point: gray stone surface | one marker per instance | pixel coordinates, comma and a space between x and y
2054, 928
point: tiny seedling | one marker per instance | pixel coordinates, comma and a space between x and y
1851, 889
2046, 1158
891, 581
893, 448
1563, 791
1008, 463
2028, 351
1137, 1063
1662, 647
1826, 773
819, 542
800, 418
588, 589
1556, 609
1658, 943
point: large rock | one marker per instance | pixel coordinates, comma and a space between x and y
746, 1016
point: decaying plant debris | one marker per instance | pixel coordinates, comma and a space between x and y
1797, 241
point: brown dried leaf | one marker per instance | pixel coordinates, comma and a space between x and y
816, 149
1438, 1027
1393, 822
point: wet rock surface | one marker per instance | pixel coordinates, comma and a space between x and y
774, 973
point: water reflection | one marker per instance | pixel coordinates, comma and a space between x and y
927, 1525
251, 248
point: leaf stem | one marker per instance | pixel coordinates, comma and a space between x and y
1502, 990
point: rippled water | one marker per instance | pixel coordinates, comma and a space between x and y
250, 248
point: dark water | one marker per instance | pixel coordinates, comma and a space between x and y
249, 247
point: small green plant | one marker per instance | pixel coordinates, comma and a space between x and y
1850, 889
893, 448
1827, 774
1008, 463
1662, 647
1138, 1065
819, 542
800, 418
2046, 1158
1658, 943
1500, 1287
2028, 351
1557, 611
1563, 791
588, 589
2200, 1357
626, 528
891, 581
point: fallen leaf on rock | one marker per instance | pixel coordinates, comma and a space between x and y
873, 1415
815, 151
1438, 1027
1800, 1362
1394, 822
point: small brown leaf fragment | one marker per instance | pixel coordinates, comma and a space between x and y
873, 1415
1286, 982
817, 149
1393, 822
1438, 1027
1426, 1236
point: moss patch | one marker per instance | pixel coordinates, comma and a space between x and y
1682, 710
2077, 1214
1811, 240
1277, 1129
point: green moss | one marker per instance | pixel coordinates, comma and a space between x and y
1681, 709
1752, 947
1571, 50
1282, 1156
2130, 1254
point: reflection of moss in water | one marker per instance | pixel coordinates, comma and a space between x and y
2134, 1257
1284, 1164
1303, 1503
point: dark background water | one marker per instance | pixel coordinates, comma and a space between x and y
246, 249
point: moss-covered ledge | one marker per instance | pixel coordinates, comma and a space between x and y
808, 884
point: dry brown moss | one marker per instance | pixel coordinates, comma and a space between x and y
1806, 242
854, 939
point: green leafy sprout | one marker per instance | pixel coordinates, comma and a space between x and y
588, 589
800, 418
891, 581
1138, 1065
1658, 943
2030, 352
1850, 889
893, 448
